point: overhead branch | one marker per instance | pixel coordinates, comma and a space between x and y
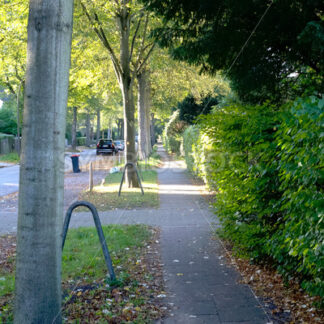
144, 34
142, 46
134, 37
102, 36
10, 87
146, 58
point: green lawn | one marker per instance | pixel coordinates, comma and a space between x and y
86, 286
10, 158
105, 197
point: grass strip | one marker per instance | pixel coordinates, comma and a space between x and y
105, 197
10, 158
87, 291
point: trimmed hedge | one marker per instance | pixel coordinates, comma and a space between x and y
81, 141
172, 134
266, 164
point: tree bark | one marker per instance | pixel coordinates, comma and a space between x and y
98, 124
39, 244
126, 83
148, 121
153, 139
88, 129
18, 120
74, 128
144, 141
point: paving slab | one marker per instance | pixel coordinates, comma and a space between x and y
201, 287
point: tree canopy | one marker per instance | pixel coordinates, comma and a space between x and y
256, 43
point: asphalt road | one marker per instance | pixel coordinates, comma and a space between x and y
9, 175
9, 180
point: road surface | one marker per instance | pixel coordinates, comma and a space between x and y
9, 175
9, 180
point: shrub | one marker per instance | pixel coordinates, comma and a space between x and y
172, 135
266, 164
190, 107
8, 122
190, 141
81, 141
298, 242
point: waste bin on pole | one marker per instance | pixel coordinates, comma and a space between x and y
75, 163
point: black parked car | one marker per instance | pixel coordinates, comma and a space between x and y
106, 146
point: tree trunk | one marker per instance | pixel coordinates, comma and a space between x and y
74, 128
88, 129
148, 125
153, 139
130, 151
144, 141
126, 84
98, 124
18, 121
39, 244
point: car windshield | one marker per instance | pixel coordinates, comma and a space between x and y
105, 142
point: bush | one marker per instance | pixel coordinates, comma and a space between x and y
81, 141
172, 135
190, 107
190, 142
298, 243
8, 123
266, 164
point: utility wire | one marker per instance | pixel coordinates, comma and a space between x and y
253, 31
241, 50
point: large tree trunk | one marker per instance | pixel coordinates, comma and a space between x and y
74, 128
18, 120
153, 139
38, 265
144, 142
148, 125
98, 124
126, 83
130, 151
88, 125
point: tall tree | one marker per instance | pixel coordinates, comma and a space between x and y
144, 103
38, 267
125, 19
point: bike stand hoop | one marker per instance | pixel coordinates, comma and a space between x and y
99, 231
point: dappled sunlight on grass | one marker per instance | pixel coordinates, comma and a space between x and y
105, 196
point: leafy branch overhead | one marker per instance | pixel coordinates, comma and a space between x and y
289, 38
141, 46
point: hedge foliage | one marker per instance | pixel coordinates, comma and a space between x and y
266, 165
81, 141
172, 134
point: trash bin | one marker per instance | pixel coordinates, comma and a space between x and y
75, 163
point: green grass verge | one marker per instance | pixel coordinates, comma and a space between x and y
10, 158
84, 275
105, 197
82, 255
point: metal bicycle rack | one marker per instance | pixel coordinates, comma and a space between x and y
130, 164
99, 231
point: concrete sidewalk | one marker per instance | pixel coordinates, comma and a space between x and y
201, 288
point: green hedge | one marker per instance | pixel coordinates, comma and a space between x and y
81, 141
266, 164
172, 134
